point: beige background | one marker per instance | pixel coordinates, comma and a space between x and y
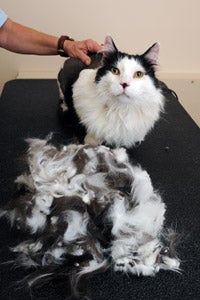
134, 26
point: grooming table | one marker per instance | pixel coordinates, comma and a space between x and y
171, 156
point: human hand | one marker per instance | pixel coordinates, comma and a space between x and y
80, 49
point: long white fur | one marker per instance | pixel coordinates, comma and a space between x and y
77, 226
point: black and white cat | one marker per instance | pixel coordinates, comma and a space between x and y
119, 100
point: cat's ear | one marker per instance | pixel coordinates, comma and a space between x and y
152, 54
108, 47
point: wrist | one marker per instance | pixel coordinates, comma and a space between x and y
60, 45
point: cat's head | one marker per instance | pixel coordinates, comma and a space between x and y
125, 76
151, 55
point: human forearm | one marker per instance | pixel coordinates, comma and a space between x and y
20, 39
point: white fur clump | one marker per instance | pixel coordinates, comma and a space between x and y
88, 207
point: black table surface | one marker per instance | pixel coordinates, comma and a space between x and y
170, 154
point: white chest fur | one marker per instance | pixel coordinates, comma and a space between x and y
116, 120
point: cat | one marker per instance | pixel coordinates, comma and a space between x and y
117, 98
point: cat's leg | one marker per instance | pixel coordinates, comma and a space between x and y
63, 104
91, 140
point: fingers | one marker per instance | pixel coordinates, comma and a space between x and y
83, 57
89, 46
92, 46
85, 47
79, 49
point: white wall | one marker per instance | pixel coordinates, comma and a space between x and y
134, 26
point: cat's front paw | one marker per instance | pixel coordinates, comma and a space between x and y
63, 106
91, 140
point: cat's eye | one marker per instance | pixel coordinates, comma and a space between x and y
115, 70
138, 74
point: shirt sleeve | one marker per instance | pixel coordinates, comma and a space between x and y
3, 17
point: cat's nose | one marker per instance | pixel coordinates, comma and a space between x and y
124, 85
